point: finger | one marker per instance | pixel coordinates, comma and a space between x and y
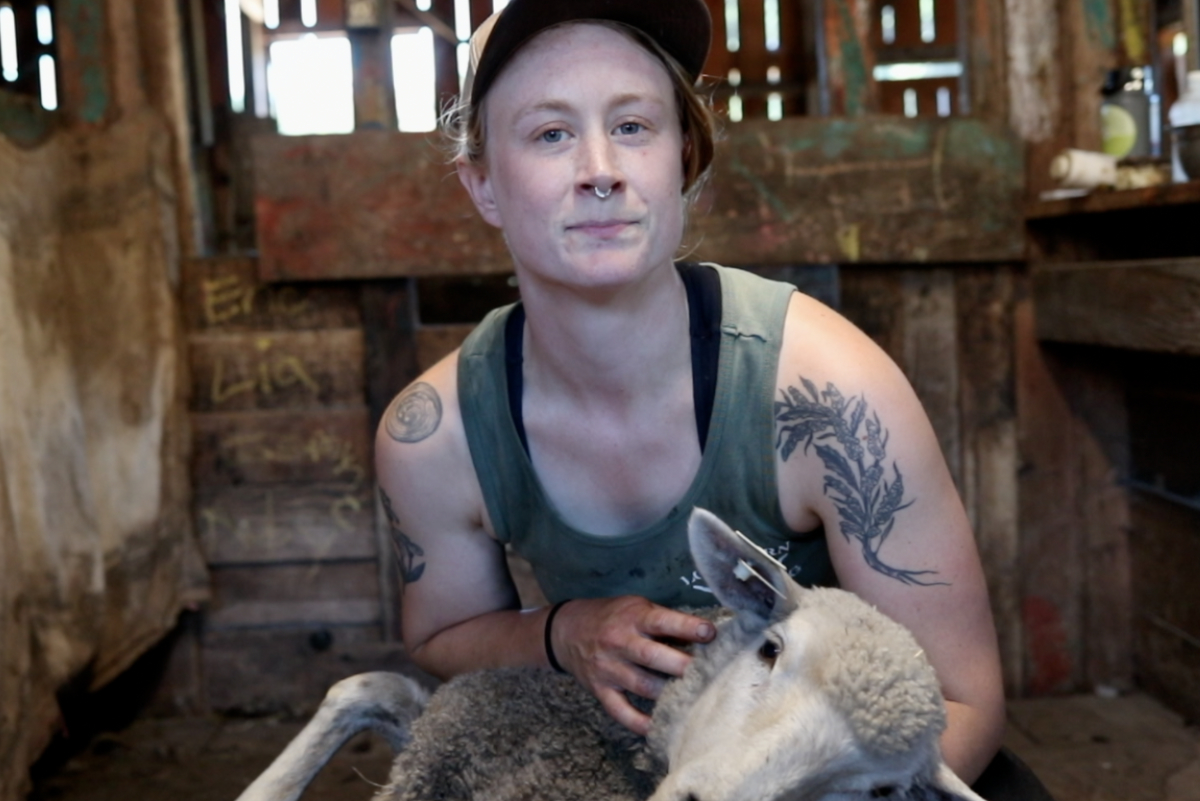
658, 656
663, 622
619, 709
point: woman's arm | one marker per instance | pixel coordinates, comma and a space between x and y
459, 609
857, 453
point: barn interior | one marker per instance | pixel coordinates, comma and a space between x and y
229, 235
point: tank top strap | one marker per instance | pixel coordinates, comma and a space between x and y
736, 479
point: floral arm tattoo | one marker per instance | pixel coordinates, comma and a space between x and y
407, 552
866, 501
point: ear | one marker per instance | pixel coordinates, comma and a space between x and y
475, 179
945, 786
742, 576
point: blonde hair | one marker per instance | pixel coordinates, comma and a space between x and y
464, 121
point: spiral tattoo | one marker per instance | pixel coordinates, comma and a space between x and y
415, 413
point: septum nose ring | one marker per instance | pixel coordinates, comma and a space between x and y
602, 194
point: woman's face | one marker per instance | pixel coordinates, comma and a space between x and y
581, 108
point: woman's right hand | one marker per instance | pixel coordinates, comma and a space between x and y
613, 645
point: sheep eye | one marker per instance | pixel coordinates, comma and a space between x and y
882, 792
769, 651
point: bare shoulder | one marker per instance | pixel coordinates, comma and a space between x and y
421, 452
423, 421
856, 452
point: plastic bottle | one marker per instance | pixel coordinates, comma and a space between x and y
1126, 113
1184, 111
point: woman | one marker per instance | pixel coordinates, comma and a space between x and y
584, 424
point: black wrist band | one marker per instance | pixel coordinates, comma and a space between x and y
546, 637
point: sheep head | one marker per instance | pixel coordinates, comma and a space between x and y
804, 694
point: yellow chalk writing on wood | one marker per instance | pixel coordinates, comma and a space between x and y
227, 298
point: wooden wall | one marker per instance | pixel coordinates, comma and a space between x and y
285, 507
1117, 376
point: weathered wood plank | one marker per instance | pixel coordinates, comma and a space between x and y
224, 293
1152, 305
983, 48
288, 669
873, 190
239, 525
389, 317
277, 370
436, 341
930, 355
1165, 551
369, 204
802, 190
329, 612
872, 299
989, 455
289, 583
1101, 201
849, 88
1051, 541
267, 447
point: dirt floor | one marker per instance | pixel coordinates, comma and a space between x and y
1085, 748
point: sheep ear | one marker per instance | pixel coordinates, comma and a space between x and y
742, 576
945, 786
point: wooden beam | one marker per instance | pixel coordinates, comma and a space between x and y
1152, 305
801, 190
85, 88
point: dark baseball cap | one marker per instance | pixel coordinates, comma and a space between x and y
682, 28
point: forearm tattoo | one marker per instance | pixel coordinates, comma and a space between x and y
866, 501
409, 556
415, 413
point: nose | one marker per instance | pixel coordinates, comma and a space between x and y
599, 172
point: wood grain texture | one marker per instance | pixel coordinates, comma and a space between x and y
240, 525
801, 190
287, 669
291, 583
224, 294
434, 342
389, 317
327, 612
1052, 543
989, 461
267, 447
929, 357
277, 369
1151, 305
1166, 551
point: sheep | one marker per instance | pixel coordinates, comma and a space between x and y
803, 694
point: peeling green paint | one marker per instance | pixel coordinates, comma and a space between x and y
854, 65
1099, 23
84, 21
971, 140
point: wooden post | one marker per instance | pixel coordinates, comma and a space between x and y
369, 24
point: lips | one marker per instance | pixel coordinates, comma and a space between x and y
601, 228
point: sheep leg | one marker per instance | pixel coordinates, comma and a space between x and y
386, 703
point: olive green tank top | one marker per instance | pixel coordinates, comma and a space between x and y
736, 480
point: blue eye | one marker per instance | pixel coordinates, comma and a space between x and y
553, 136
630, 127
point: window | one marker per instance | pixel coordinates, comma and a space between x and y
28, 63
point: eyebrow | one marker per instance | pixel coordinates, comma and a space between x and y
563, 106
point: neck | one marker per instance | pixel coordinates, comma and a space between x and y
608, 344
